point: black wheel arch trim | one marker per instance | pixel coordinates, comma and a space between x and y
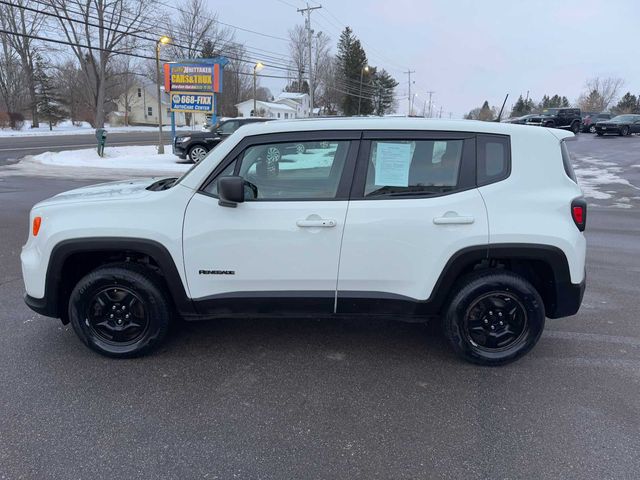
49, 304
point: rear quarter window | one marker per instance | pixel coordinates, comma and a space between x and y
566, 161
493, 159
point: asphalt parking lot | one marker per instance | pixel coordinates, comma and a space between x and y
303, 399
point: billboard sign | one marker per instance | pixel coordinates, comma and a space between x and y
193, 77
192, 102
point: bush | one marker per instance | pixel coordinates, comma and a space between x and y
16, 120
4, 120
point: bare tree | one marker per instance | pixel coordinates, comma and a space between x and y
125, 78
11, 84
107, 28
321, 63
299, 51
329, 97
67, 77
600, 93
196, 26
28, 23
238, 82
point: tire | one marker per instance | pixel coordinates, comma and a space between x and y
592, 129
300, 148
599, 134
494, 318
120, 310
575, 128
197, 153
624, 131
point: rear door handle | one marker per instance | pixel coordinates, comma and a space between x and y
451, 218
322, 222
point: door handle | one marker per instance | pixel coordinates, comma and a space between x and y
322, 222
452, 218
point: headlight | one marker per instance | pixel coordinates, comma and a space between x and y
182, 139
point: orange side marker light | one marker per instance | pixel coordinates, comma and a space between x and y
37, 221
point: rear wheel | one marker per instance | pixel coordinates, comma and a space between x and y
592, 129
624, 131
120, 310
575, 127
197, 153
300, 148
494, 318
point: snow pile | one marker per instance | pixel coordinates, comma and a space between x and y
118, 158
67, 128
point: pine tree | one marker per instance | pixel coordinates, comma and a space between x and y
208, 50
486, 112
384, 85
48, 104
352, 60
521, 107
627, 104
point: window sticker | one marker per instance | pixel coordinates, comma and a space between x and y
392, 164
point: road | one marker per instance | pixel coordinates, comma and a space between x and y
277, 399
14, 148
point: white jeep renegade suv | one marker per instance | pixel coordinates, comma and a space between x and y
479, 224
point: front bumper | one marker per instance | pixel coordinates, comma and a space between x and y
179, 150
41, 306
608, 129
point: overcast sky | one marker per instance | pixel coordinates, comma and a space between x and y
467, 51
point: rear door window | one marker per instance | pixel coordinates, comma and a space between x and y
405, 167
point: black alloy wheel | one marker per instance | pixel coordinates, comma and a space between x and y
624, 131
494, 317
120, 310
117, 315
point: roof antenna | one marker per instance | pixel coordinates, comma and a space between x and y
503, 104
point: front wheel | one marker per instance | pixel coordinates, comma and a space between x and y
575, 128
592, 129
197, 153
120, 310
624, 131
494, 318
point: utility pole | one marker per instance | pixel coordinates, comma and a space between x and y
430, 92
307, 24
440, 114
409, 72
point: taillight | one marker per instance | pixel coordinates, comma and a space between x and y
579, 213
37, 221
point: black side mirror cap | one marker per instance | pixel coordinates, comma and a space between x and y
230, 191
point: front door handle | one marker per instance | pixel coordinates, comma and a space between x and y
452, 218
321, 222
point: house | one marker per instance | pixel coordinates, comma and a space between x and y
300, 101
266, 109
139, 106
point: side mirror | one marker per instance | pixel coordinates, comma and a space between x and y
230, 191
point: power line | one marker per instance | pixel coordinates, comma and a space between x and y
101, 49
132, 34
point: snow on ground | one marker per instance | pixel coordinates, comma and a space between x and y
115, 158
593, 174
67, 128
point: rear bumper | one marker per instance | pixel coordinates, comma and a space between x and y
568, 299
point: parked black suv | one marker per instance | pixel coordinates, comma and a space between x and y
196, 145
567, 118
